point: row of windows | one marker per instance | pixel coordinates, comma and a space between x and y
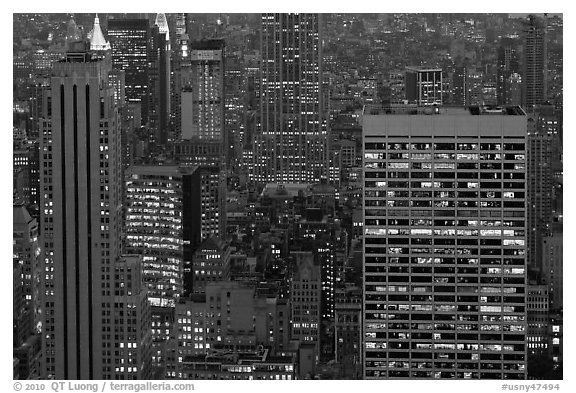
448, 184
443, 146
460, 174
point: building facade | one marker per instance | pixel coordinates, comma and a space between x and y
290, 145
535, 58
202, 98
445, 243
80, 217
155, 228
424, 85
129, 41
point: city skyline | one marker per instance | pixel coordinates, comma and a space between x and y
326, 166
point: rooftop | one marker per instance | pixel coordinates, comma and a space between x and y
484, 110
422, 68
160, 170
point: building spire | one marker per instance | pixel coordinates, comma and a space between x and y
97, 40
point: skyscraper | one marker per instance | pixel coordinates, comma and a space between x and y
159, 80
170, 211
79, 209
459, 88
129, 42
507, 65
445, 243
27, 300
154, 229
290, 146
535, 58
203, 96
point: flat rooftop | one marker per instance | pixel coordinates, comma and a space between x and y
430, 110
441, 121
160, 170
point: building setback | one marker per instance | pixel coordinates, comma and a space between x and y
445, 243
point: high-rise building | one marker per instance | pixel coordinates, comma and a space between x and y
507, 64
424, 85
474, 87
543, 130
459, 88
290, 145
27, 304
154, 228
170, 211
537, 305
79, 210
348, 331
514, 89
26, 251
211, 262
553, 270
445, 243
159, 56
305, 301
535, 62
133, 357
202, 99
129, 41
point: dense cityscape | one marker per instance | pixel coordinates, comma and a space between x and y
287, 196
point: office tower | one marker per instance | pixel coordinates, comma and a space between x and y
489, 93
514, 89
245, 323
170, 211
542, 134
211, 262
424, 85
507, 64
235, 101
27, 301
459, 86
552, 267
26, 250
474, 87
445, 243
79, 217
129, 41
348, 331
181, 36
537, 304
159, 80
21, 173
535, 62
132, 358
290, 145
203, 98
118, 80
305, 303
154, 228
180, 63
